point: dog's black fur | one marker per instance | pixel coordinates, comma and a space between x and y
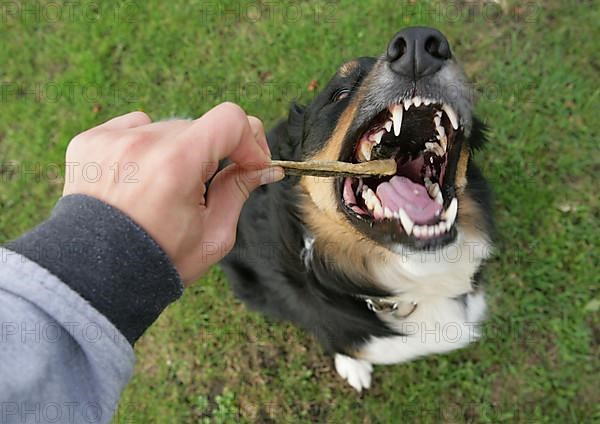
266, 267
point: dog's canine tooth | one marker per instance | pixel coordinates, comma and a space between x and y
451, 212
437, 121
406, 222
364, 151
388, 126
438, 114
397, 118
407, 103
451, 115
417, 101
377, 136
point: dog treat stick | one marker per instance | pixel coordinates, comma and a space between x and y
338, 169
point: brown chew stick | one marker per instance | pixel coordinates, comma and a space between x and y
338, 169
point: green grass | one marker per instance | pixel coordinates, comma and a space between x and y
209, 360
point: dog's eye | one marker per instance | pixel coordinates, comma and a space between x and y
341, 94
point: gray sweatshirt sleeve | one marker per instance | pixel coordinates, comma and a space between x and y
75, 294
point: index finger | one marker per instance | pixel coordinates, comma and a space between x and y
224, 132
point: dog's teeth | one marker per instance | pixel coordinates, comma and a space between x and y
364, 151
367, 195
377, 136
437, 121
417, 101
440, 229
433, 190
451, 115
377, 208
443, 142
439, 198
407, 103
445, 226
397, 118
438, 114
430, 231
442, 226
388, 213
451, 212
426, 102
418, 231
372, 202
435, 148
388, 126
441, 131
406, 222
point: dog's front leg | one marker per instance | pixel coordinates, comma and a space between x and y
356, 371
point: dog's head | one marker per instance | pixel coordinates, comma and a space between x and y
413, 104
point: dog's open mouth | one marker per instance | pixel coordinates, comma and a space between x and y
419, 134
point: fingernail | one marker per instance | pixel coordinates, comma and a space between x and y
271, 175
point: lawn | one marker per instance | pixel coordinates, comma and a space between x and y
536, 67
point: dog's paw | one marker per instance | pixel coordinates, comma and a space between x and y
356, 371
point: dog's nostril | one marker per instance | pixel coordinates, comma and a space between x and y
437, 48
396, 49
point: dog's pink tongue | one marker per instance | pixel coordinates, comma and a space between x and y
402, 193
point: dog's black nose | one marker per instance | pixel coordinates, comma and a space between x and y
418, 51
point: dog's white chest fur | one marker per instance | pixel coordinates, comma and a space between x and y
436, 326
448, 314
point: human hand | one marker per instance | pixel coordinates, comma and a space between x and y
157, 172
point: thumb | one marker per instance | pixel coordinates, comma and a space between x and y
230, 189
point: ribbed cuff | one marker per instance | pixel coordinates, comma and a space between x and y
108, 259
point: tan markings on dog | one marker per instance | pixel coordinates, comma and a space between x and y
461, 170
338, 241
347, 68
469, 214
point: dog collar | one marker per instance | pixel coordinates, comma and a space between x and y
390, 305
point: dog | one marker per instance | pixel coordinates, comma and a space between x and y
380, 270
